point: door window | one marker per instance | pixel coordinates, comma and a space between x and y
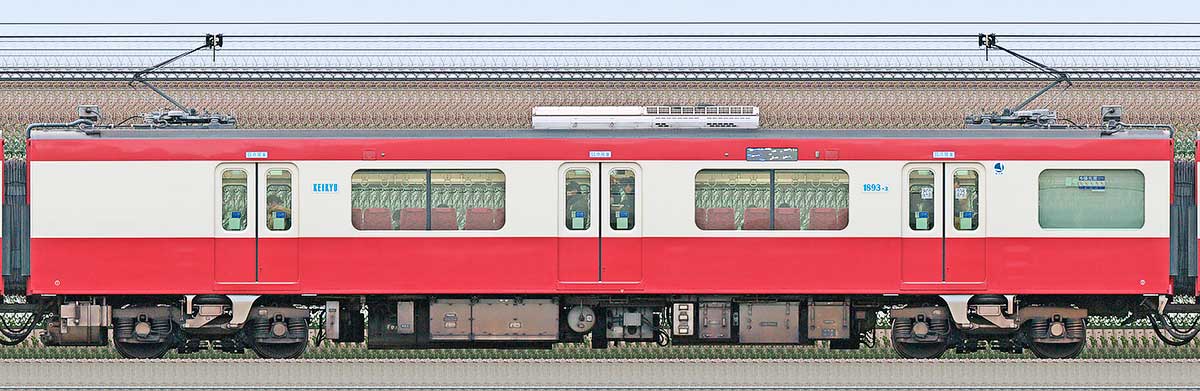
279, 199
966, 199
233, 199
921, 200
623, 187
578, 198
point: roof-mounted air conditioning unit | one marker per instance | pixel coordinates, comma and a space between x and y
645, 117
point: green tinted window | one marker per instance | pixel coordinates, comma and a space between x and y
1091, 199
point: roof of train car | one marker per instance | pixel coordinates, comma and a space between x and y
598, 134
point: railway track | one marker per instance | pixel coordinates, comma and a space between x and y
654, 388
392, 374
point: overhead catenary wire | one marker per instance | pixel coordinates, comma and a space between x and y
601, 22
907, 54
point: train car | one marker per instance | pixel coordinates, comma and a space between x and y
161, 239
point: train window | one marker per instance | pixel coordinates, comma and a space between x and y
966, 199
733, 199
811, 200
233, 199
466, 199
427, 200
921, 200
622, 186
1091, 199
388, 199
279, 199
578, 199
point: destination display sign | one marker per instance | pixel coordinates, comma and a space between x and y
772, 154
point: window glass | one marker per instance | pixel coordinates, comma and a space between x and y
1091, 199
388, 199
233, 199
733, 199
279, 199
622, 188
427, 199
966, 199
578, 198
811, 200
466, 199
921, 200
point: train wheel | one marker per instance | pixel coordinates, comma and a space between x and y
280, 350
1057, 350
142, 350
1060, 339
144, 332
920, 349
920, 337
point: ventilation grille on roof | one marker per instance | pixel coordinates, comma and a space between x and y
701, 110
649, 117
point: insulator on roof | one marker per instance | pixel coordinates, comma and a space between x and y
1040, 118
187, 119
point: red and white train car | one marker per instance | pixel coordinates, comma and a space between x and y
530, 237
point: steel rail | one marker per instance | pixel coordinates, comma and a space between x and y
621, 387
600, 374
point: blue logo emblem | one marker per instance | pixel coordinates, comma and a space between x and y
998, 168
325, 188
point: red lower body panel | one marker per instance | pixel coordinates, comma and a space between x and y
278, 259
966, 259
621, 259
643, 265
1069, 265
120, 265
424, 265
578, 259
233, 259
920, 259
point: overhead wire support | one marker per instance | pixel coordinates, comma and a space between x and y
185, 116
988, 42
210, 42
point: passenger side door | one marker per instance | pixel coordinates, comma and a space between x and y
578, 228
278, 241
599, 234
943, 240
256, 240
